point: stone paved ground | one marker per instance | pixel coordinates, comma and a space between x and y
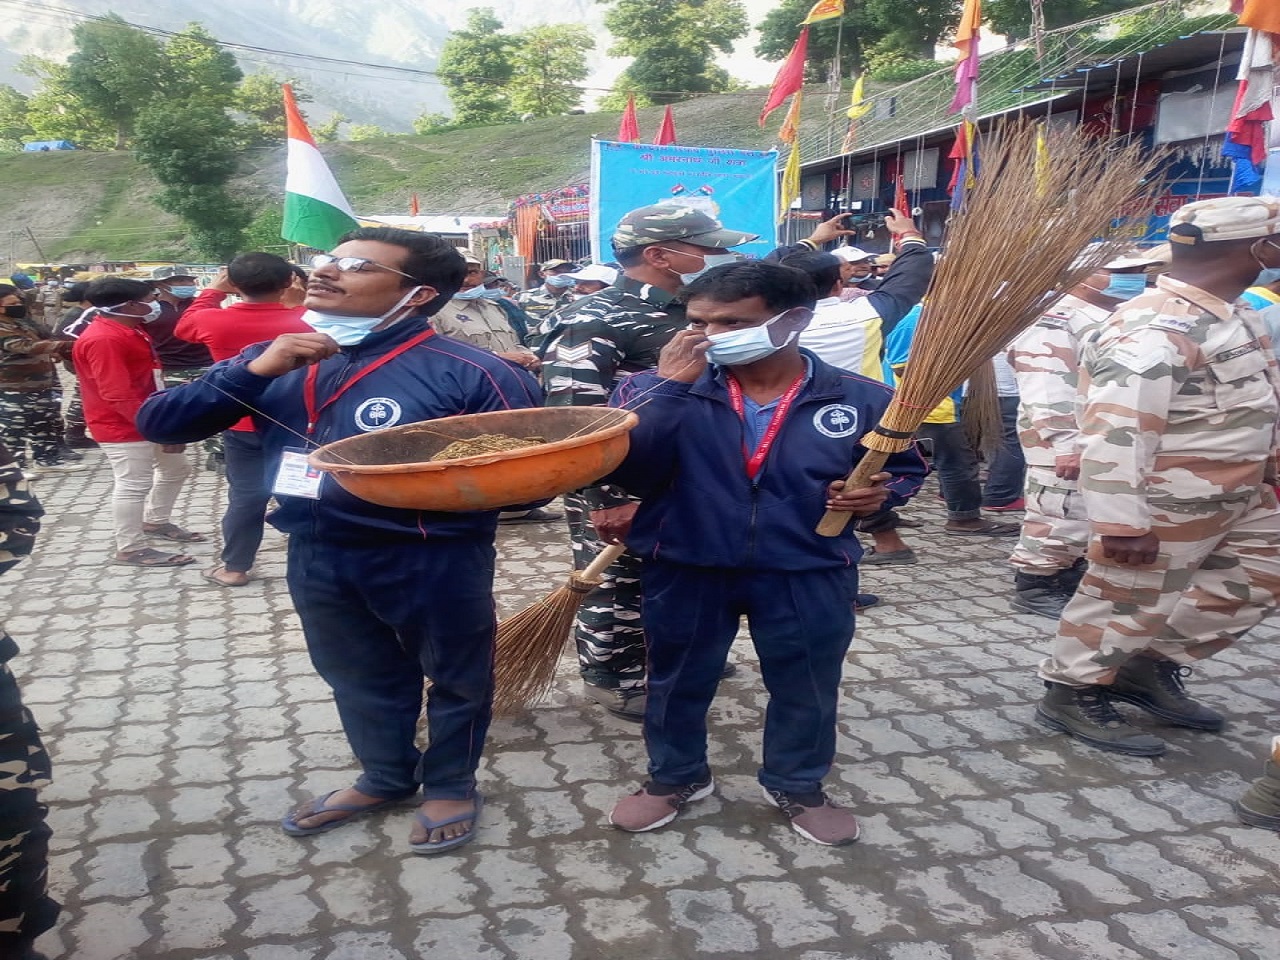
183, 720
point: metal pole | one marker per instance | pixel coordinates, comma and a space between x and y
36, 243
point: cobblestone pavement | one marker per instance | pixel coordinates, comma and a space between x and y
184, 719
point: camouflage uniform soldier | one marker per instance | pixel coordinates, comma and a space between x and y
30, 397
593, 343
26, 911
1179, 437
555, 292
1049, 558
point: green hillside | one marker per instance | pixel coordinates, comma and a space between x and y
90, 206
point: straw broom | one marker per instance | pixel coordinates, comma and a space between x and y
1011, 251
529, 643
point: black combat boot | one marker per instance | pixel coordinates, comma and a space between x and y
1046, 596
1156, 687
1070, 578
1088, 714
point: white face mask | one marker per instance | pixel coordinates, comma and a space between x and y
709, 260
347, 331
737, 348
153, 313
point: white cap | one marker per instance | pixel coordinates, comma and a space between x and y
597, 272
1136, 258
852, 254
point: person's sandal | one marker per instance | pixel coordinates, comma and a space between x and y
427, 847
147, 557
226, 578
171, 531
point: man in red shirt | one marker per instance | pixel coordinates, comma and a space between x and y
261, 280
118, 369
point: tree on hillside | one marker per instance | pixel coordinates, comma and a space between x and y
115, 71
476, 66
549, 60
54, 112
200, 69
1013, 17
259, 97
674, 43
14, 128
871, 31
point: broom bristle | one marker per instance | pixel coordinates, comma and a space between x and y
1014, 248
528, 646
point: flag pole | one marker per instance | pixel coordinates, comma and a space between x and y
830, 113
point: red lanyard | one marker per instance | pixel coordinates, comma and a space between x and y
309, 387
756, 460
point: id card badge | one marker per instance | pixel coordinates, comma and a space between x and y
296, 477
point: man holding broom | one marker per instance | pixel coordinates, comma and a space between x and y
742, 437
1180, 391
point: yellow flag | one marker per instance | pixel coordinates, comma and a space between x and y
1042, 161
790, 183
825, 10
858, 107
791, 125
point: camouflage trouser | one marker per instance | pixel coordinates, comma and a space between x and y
608, 633
73, 416
35, 417
1218, 574
26, 911
214, 458
1055, 530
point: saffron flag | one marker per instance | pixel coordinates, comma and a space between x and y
413, 206
790, 183
900, 201
965, 154
1246, 141
790, 78
1042, 161
316, 212
967, 36
666, 132
629, 129
791, 125
1260, 14
858, 107
825, 10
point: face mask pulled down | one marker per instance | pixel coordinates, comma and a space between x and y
347, 331
737, 348
153, 313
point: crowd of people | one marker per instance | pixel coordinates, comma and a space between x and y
1134, 477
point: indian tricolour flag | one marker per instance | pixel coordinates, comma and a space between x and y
316, 213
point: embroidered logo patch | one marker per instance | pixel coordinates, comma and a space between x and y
836, 420
377, 413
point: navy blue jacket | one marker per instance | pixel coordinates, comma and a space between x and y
698, 505
440, 377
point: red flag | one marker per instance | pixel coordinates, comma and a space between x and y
790, 78
900, 201
666, 132
629, 129
413, 205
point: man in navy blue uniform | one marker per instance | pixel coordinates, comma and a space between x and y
741, 441
386, 596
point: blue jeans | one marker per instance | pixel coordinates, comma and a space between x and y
378, 620
801, 624
957, 465
248, 491
1007, 471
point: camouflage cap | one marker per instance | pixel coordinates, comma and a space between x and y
1225, 218
665, 222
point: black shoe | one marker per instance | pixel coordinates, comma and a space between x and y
66, 453
1156, 687
537, 515
1070, 578
77, 439
1088, 714
1045, 596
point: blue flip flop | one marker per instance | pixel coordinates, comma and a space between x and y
440, 846
354, 811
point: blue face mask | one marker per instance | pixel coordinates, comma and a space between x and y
561, 281
1125, 286
347, 331
479, 293
737, 348
183, 293
1267, 277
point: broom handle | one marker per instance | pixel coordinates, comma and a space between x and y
833, 522
608, 556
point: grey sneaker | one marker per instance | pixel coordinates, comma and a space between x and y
815, 817
897, 558
624, 704
1088, 714
656, 804
1156, 687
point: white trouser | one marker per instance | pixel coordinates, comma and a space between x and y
147, 482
